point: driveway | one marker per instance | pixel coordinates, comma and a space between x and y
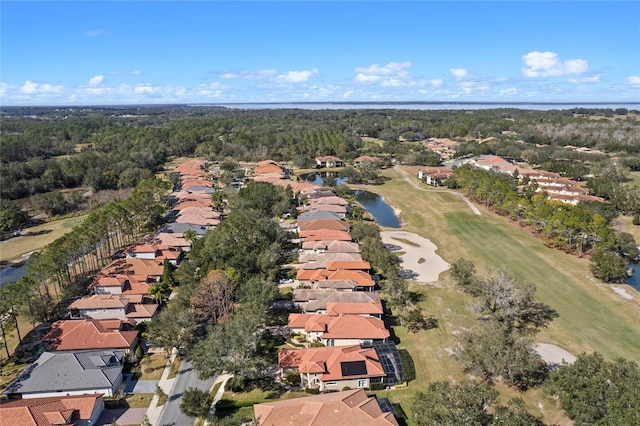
122, 416
140, 386
420, 261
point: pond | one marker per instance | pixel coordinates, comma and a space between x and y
317, 177
12, 274
382, 212
634, 280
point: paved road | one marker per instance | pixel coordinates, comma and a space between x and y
186, 378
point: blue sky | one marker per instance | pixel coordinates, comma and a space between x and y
122, 52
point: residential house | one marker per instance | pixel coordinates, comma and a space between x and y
347, 408
316, 301
113, 306
152, 269
345, 279
75, 335
333, 368
330, 247
340, 330
331, 224
328, 161
325, 234
80, 410
322, 260
154, 252
69, 373
317, 215
364, 159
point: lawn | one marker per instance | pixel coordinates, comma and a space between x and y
152, 366
592, 317
39, 236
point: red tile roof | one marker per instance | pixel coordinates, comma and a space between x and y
48, 411
348, 408
341, 326
71, 335
327, 360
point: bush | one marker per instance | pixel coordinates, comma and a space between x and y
237, 384
139, 353
376, 386
346, 388
312, 391
292, 378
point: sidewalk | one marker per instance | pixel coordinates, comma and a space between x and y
223, 378
154, 412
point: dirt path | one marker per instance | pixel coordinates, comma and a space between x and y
473, 208
420, 260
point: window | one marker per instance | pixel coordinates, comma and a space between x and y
331, 383
363, 383
367, 342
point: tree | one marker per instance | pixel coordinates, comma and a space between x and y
11, 217
415, 320
445, 404
608, 266
463, 273
232, 346
213, 299
173, 329
508, 299
493, 350
196, 402
595, 391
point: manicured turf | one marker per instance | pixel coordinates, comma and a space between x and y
40, 236
592, 317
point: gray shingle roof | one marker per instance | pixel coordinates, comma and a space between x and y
68, 371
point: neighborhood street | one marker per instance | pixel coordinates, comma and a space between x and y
186, 378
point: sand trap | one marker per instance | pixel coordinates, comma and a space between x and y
426, 270
622, 292
553, 355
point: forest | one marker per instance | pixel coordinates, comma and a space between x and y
104, 162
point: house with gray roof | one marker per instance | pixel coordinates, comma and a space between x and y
315, 301
69, 373
318, 214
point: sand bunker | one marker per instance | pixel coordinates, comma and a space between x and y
553, 355
420, 261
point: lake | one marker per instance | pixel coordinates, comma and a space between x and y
634, 280
317, 177
11, 274
382, 212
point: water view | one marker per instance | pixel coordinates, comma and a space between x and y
319, 177
634, 280
12, 274
382, 212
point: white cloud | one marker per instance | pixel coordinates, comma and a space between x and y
390, 72
96, 81
6, 88
547, 64
32, 88
297, 76
634, 80
250, 75
511, 91
347, 94
437, 82
459, 73
133, 72
94, 33
592, 79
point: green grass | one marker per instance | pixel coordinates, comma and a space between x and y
139, 400
152, 366
39, 236
592, 317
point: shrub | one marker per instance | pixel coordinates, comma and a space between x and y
376, 386
292, 378
139, 352
346, 388
312, 391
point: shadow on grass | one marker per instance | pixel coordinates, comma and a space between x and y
408, 367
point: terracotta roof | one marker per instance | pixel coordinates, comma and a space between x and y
197, 220
346, 408
168, 238
334, 208
364, 158
48, 411
312, 360
70, 335
317, 300
200, 211
334, 199
328, 158
341, 326
105, 301
321, 260
194, 203
141, 311
354, 309
332, 246
134, 266
333, 224
362, 278
325, 235
348, 264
